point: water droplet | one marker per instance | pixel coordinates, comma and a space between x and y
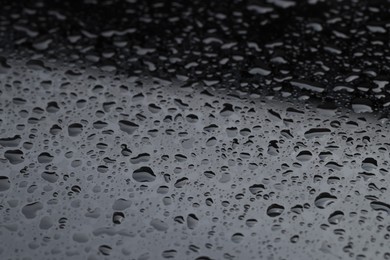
14, 156
275, 210
144, 174
127, 126
30, 210
324, 199
380, 206
5, 183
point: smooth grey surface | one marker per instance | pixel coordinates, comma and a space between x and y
102, 167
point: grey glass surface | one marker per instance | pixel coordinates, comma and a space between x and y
153, 130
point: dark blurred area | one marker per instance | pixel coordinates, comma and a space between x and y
335, 50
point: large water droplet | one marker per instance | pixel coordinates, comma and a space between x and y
30, 210
5, 184
324, 199
275, 210
144, 174
380, 206
14, 156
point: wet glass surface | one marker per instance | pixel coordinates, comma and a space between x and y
194, 129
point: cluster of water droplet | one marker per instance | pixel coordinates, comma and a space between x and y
159, 132
303, 49
148, 168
